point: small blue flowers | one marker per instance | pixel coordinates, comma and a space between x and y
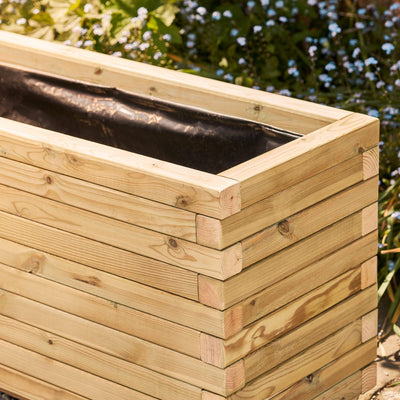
334, 29
227, 14
216, 15
371, 61
241, 40
360, 25
330, 66
257, 28
387, 48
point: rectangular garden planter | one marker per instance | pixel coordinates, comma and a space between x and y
165, 236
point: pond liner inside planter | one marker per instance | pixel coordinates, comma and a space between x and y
170, 132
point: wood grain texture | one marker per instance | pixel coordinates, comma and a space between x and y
211, 396
99, 199
308, 334
287, 318
303, 364
370, 218
142, 176
97, 255
65, 376
272, 269
308, 221
99, 310
95, 362
110, 287
348, 389
279, 206
287, 113
369, 377
371, 163
184, 254
369, 272
281, 168
319, 381
370, 325
25, 387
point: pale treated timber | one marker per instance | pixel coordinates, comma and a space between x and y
280, 265
287, 113
370, 218
65, 376
123, 372
280, 322
348, 389
369, 271
184, 254
369, 377
306, 222
26, 387
109, 287
111, 203
213, 349
99, 255
211, 396
319, 381
308, 334
220, 234
280, 168
110, 368
139, 175
371, 163
104, 312
312, 359
370, 325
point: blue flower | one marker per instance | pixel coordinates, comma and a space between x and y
241, 40
397, 82
283, 19
202, 11
234, 32
371, 76
293, 71
270, 22
216, 15
390, 265
388, 24
219, 72
228, 77
265, 3
371, 61
242, 61
361, 11
353, 42
394, 6
387, 48
285, 92
325, 78
356, 52
380, 84
279, 4
312, 50
270, 89
251, 4
271, 12
167, 37
360, 25
257, 28
227, 14
334, 28
373, 113
330, 66
291, 63
312, 2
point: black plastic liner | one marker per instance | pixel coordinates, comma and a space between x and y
182, 135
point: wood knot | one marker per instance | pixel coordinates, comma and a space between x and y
257, 108
360, 150
182, 201
33, 263
310, 378
152, 89
72, 159
172, 243
253, 302
89, 280
284, 228
98, 71
49, 180
50, 341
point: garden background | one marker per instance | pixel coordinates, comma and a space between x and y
343, 53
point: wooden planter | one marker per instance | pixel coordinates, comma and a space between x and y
126, 277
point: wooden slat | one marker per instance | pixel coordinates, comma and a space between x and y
276, 324
110, 367
303, 364
220, 234
370, 218
211, 396
348, 389
308, 221
108, 286
101, 256
321, 380
142, 176
370, 325
188, 255
309, 333
99, 199
283, 167
369, 272
24, 387
102, 311
181, 88
371, 162
369, 377
280, 265
65, 376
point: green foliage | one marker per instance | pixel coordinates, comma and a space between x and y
341, 53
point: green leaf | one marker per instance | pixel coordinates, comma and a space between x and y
166, 13
384, 285
396, 330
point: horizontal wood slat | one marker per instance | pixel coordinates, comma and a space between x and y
98, 255
59, 374
272, 209
280, 168
142, 176
99, 199
99, 310
191, 256
280, 265
348, 389
326, 377
26, 387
